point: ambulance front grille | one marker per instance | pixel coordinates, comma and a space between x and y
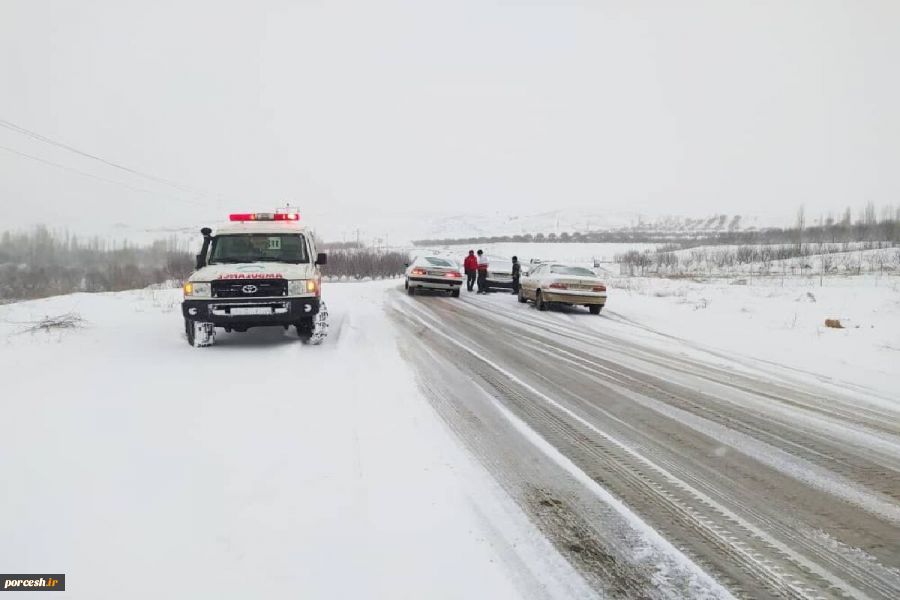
249, 288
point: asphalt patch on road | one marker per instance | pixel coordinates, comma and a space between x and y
582, 546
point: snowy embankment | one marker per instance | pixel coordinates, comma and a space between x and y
779, 323
256, 468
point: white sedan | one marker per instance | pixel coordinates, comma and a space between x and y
433, 273
553, 283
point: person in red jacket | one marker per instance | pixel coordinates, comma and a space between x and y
470, 266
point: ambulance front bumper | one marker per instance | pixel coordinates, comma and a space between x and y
224, 312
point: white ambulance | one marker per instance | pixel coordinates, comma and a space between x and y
261, 269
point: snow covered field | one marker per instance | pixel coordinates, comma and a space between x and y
780, 322
258, 468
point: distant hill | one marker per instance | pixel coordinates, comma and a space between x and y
564, 224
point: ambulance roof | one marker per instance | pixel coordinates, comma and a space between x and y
234, 228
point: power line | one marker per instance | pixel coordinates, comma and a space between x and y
92, 176
45, 139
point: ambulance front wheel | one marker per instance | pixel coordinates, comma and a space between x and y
199, 334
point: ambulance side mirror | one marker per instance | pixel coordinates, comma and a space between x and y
322, 259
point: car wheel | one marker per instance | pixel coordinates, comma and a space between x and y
539, 301
200, 335
455, 293
410, 290
522, 297
595, 308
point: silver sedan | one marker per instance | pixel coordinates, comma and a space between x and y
433, 273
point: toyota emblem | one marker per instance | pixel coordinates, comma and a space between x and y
249, 289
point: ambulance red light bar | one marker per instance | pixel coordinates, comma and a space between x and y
264, 217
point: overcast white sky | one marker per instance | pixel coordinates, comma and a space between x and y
353, 108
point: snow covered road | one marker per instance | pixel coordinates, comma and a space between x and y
604, 431
433, 448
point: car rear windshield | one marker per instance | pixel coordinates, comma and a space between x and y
581, 271
438, 262
259, 247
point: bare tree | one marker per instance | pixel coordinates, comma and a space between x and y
847, 218
800, 225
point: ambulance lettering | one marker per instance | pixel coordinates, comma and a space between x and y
251, 276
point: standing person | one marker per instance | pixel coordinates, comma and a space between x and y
516, 273
470, 266
482, 273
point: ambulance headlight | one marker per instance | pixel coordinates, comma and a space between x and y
196, 289
298, 287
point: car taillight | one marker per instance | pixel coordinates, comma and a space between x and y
453, 274
418, 271
599, 288
559, 286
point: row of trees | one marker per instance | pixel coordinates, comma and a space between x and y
867, 227
623, 236
365, 264
764, 259
40, 263
871, 224
331, 246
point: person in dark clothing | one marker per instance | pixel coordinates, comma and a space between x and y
470, 266
482, 273
516, 273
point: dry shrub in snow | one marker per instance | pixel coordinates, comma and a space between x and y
51, 323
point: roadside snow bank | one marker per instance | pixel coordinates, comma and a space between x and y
783, 327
